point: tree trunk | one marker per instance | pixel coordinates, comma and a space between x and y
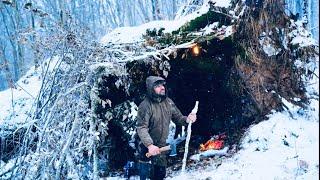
16, 68
62, 12
20, 49
155, 10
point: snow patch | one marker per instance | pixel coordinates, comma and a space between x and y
134, 34
209, 28
286, 146
222, 3
268, 45
300, 35
16, 102
128, 35
229, 31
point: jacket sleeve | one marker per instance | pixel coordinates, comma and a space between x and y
177, 116
143, 119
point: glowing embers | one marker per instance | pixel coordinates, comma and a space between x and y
214, 143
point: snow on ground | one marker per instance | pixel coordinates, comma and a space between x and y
15, 103
279, 148
285, 146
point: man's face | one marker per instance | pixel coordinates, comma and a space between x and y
160, 89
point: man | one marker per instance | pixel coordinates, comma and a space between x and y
154, 115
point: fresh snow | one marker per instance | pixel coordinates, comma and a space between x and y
128, 35
280, 148
221, 3
300, 35
285, 146
15, 103
270, 50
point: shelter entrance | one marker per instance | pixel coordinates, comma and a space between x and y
210, 78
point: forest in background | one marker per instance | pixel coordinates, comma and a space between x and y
88, 88
29, 27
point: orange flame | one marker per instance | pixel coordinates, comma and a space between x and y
212, 144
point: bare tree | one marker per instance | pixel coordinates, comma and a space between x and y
25, 23
6, 14
155, 9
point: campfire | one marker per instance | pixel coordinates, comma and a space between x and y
214, 146
214, 143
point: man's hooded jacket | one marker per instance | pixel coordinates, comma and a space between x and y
154, 115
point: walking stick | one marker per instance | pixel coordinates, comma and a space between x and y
186, 147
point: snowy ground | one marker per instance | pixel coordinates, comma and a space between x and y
281, 147
15, 103
286, 146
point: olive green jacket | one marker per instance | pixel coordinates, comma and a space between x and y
154, 117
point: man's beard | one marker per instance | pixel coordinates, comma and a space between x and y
162, 93
160, 97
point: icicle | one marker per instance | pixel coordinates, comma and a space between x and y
186, 147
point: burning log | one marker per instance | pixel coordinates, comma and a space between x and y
216, 143
212, 144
